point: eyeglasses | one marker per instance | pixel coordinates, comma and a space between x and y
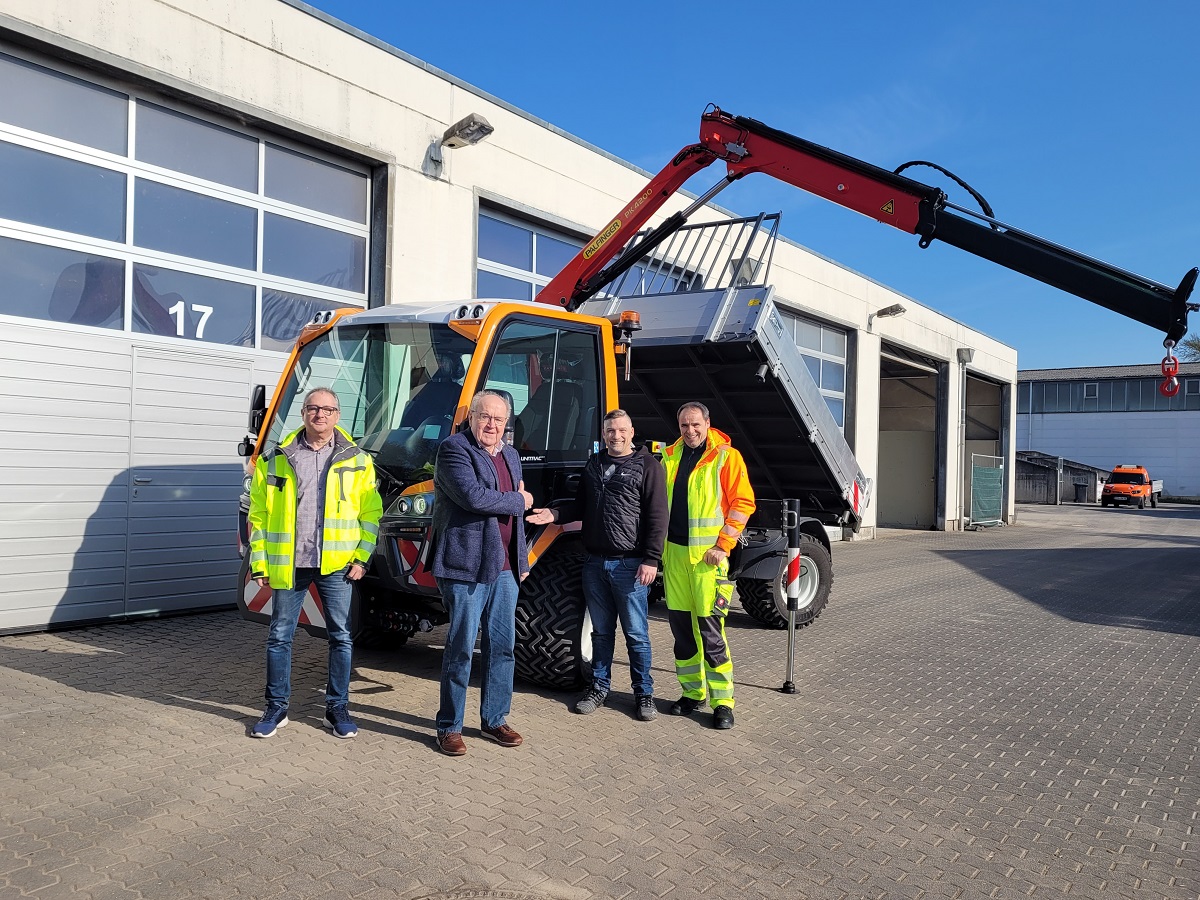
491, 420
324, 410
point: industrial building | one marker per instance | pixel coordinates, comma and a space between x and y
1108, 416
183, 184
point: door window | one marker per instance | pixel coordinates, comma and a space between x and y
551, 378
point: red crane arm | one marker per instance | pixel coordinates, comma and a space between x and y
746, 146
565, 287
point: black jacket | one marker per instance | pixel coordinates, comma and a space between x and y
624, 514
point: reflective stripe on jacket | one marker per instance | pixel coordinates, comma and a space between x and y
352, 511
720, 499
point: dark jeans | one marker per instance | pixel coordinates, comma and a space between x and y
612, 591
470, 605
334, 591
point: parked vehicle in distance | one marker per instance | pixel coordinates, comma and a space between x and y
1131, 484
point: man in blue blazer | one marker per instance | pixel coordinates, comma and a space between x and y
479, 559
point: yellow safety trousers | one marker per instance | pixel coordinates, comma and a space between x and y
698, 598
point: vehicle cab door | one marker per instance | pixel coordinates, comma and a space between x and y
549, 370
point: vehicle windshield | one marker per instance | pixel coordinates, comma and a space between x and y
398, 386
1127, 478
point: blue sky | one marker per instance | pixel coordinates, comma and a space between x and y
1077, 121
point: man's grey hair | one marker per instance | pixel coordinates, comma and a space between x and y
693, 404
322, 390
478, 399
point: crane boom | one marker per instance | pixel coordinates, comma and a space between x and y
747, 146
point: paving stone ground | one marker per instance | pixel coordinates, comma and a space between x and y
1006, 713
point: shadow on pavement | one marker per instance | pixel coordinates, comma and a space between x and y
215, 664
1152, 588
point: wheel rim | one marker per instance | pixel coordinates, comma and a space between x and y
809, 583
585, 643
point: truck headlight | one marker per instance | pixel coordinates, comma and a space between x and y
413, 506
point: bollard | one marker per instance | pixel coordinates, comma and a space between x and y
791, 524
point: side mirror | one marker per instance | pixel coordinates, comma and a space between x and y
258, 409
246, 446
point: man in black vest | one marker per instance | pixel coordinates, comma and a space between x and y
623, 506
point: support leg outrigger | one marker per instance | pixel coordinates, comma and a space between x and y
791, 524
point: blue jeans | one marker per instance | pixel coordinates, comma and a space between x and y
470, 605
612, 591
334, 591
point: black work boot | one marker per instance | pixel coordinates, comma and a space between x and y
684, 706
723, 717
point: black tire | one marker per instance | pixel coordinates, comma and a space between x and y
371, 628
766, 601
1154, 501
554, 630
1103, 504
656, 592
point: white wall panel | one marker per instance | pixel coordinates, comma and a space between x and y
1164, 442
82, 541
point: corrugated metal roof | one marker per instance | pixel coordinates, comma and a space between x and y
1049, 461
1099, 373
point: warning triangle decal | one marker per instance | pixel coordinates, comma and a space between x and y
889, 208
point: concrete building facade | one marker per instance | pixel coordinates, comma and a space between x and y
187, 182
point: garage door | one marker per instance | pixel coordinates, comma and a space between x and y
189, 411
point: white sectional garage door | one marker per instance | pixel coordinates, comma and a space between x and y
118, 475
189, 411
156, 259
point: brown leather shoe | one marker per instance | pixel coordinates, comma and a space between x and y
502, 735
451, 743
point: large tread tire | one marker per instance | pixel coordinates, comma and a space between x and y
1154, 501
766, 601
554, 630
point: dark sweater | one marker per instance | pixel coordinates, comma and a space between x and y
623, 505
677, 530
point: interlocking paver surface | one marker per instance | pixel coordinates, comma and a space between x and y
1007, 713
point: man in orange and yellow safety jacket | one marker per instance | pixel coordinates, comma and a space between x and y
710, 501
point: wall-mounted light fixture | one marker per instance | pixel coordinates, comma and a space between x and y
886, 313
965, 355
464, 133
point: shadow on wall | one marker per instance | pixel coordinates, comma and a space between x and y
159, 539
1113, 587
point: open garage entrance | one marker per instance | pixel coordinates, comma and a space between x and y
911, 400
982, 440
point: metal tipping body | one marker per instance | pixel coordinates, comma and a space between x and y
730, 350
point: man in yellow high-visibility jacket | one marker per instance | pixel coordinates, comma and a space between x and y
710, 501
314, 520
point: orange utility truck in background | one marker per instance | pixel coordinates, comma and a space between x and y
1132, 485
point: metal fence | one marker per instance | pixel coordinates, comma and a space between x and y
987, 489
